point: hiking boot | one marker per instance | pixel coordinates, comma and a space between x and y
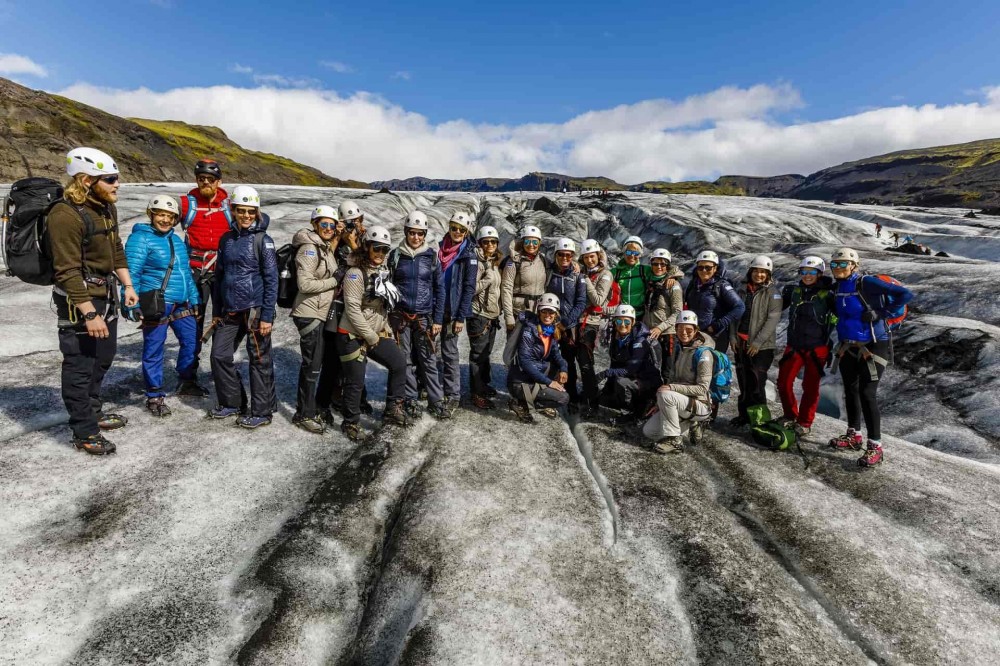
223, 412
872, 456
192, 388
801, 430
482, 402
850, 441
521, 410
550, 412
95, 445
313, 425
353, 431
327, 416
438, 410
696, 433
412, 408
490, 392
422, 395
157, 407
252, 422
395, 413
111, 421
669, 445
452, 404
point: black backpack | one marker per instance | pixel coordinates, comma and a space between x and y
288, 281
26, 250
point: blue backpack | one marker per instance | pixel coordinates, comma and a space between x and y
722, 374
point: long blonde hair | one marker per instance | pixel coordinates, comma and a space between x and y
76, 190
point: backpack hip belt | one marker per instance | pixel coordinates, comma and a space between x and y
859, 350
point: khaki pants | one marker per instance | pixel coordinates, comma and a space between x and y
674, 416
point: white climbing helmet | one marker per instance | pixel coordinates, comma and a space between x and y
378, 236
531, 232
708, 255
462, 218
846, 254
323, 211
488, 232
244, 195
163, 202
762, 261
687, 317
416, 220
813, 262
90, 161
590, 246
565, 245
660, 253
636, 240
624, 310
547, 302
349, 210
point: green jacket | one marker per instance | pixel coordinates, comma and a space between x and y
632, 281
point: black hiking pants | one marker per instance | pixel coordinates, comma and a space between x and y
482, 334
751, 373
228, 386
667, 342
860, 390
85, 362
205, 294
627, 394
320, 369
544, 397
583, 355
354, 364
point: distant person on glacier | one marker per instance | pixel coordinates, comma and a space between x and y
632, 275
878, 230
863, 349
88, 262
205, 218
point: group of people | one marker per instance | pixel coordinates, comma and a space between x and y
405, 303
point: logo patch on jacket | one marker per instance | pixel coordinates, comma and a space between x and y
269, 245
310, 253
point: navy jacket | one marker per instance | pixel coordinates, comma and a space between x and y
635, 356
148, 254
812, 314
877, 294
716, 302
244, 280
532, 362
420, 282
460, 283
571, 289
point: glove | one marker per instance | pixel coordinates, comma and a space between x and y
387, 291
601, 376
869, 316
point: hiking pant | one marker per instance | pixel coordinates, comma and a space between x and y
153, 340
667, 342
584, 354
85, 362
721, 342
544, 396
812, 361
751, 373
205, 294
319, 370
354, 363
570, 350
675, 415
626, 393
482, 334
421, 359
451, 364
860, 389
229, 389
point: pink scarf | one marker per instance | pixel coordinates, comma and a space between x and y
448, 252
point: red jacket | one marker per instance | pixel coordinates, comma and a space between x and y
211, 221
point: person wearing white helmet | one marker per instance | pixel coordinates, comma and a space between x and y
168, 297
246, 289
863, 303
602, 292
568, 282
524, 275
418, 318
482, 326
88, 262
633, 375
530, 379
664, 301
685, 402
711, 295
353, 234
811, 305
364, 332
460, 266
632, 275
205, 217
316, 280
754, 337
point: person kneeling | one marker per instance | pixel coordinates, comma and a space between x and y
686, 402
634, 374
528, 381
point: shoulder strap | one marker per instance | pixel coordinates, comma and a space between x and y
224, 207
170, 265
192, 210
394, 261
258, 244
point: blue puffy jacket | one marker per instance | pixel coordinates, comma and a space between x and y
460, 283
716, 302
532, 362
244, 279
420, 282
148, 254
635, 356
571, 289
878, 294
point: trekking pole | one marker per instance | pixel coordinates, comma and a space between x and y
211, 329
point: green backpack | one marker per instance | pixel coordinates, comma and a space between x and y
773, 435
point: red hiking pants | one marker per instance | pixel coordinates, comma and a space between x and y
788, 369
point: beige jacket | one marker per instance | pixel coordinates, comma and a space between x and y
598, 292
662, 312
684, 379
486, 298
522, 283
365, 316
316, 267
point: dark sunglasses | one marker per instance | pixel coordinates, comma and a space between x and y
632, 253
110, 180
489, 241
249, 212
564, 255
326, 225
206, 179
380, 249
839, 264
416, 232
455, 229
622, 321
705, 268
808, 271
658, 264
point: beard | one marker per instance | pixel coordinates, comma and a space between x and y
208, 191
108, 197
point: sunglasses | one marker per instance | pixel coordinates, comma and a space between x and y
326, 225
416, 232
380, 249
839, 264
808, 271
530, 242
455, 229
710, 267
488, 241
632, 253
622, 321
245, 212
547, 311
206, 179
658, 264
110, 180
564, 255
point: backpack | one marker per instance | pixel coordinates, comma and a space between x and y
192, 211
773, 435
288, 285
510, 348
894, 315
722, 374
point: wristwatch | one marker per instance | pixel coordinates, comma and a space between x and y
90, 316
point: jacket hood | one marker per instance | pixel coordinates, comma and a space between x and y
701, 339
410, 252
638, 332
263, 220
672, 272
307, 237
517, 255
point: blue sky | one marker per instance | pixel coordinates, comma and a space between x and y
517, 63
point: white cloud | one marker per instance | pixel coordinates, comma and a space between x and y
402, 74
240, 69
11, 63
281, 81
339, 67
729, 130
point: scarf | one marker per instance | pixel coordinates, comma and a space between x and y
549, 330
448, 252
